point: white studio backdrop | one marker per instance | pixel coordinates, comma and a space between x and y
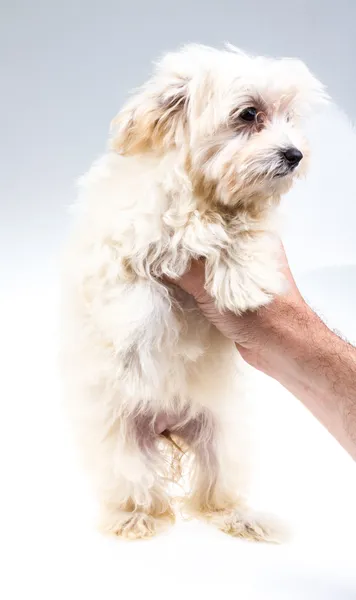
60, 96
321, 209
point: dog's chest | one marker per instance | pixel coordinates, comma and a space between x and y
194, 329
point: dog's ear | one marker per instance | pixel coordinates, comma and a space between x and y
308, 91
154, 119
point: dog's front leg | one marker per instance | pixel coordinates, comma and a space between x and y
246, 274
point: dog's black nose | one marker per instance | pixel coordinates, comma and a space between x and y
293, 156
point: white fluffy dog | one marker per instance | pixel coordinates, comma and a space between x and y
199, 158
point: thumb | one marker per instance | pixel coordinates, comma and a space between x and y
193, 281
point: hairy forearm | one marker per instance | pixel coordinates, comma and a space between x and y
314, 364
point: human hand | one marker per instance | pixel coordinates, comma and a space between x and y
253, 332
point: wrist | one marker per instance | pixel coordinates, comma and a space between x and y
289, 329
281, 330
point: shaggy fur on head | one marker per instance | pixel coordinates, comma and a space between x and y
196, 166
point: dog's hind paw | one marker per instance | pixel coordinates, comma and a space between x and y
249, 525
135, 525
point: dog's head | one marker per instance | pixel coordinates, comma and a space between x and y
235, 121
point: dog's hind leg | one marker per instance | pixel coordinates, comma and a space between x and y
135, 503
112, 371
127, 468
218, 494
218, 439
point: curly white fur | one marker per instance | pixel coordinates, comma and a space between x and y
185, 177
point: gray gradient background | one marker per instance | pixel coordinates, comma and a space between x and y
67, 66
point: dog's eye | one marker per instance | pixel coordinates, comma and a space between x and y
248, 114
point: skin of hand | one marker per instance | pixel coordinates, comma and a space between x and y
253, 332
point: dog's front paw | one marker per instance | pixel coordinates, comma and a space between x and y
244, 287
